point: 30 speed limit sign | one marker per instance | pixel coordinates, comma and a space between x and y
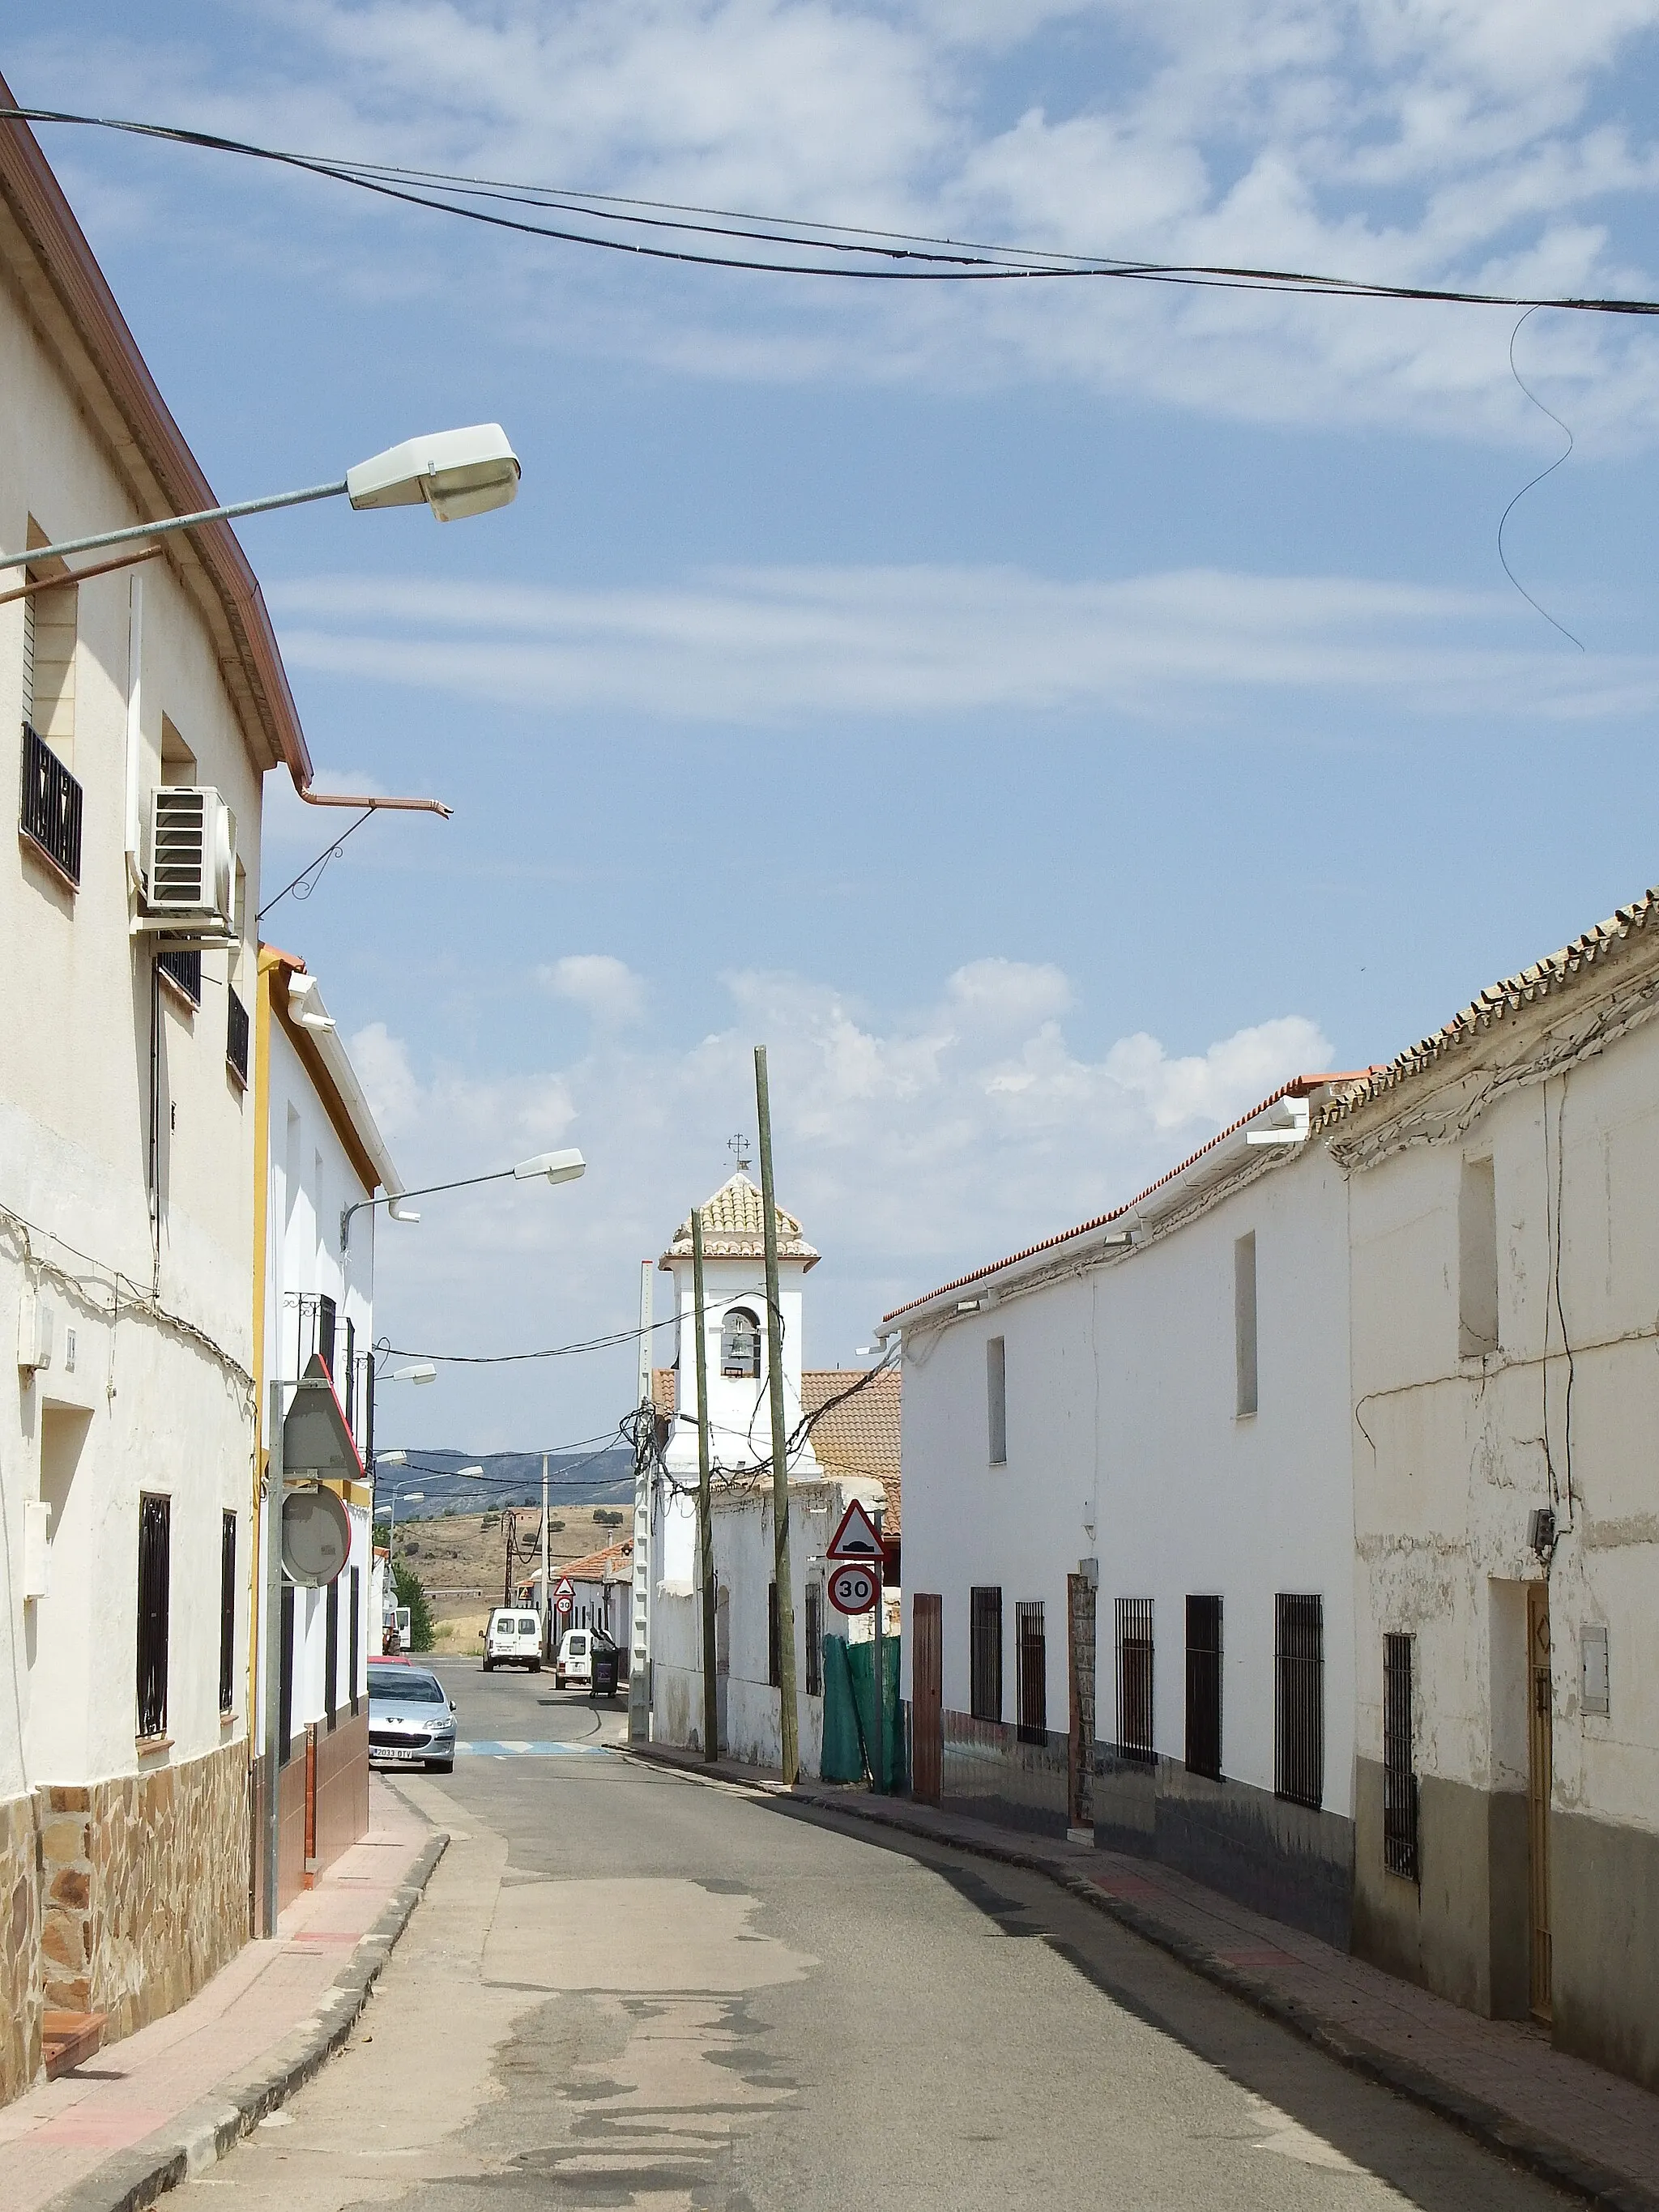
852, 1586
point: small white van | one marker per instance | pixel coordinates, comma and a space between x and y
513, 1638
575, 1662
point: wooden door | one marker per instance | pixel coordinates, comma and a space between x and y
1540, 1731
1080, 1669
926, 1698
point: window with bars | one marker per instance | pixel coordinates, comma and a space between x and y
1135, 1677
226, 1612
996, 1399
985, 1653
774, 1638
1031, 1660
815, 1639
236, 1031
331, 1656
285, 1679
155, 1577
326, 1323
1204, 1687
1299, 1715
49, 810
183, 970
354, 1639
1399, 1779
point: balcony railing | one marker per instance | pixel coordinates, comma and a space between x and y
50, 813
236, 1036
184, 968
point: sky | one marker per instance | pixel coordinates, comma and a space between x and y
1047, 716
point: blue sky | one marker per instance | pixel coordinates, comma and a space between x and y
1048, 720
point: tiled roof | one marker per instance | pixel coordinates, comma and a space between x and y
861, 1435
662, 1392
1298, 1087
614, 1564
1596, 948
734, 1228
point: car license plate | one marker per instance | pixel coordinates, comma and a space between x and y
395, 1751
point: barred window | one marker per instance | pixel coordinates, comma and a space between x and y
1031, 1657
774, 1638
815, 1639
1399, 1779
1299, 1730
985, 1653
155, 1577
1204, 1687
226, 1612
1135, 1677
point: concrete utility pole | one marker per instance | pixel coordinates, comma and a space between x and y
790, 1758
546, 1609
639, 1647
711, 1717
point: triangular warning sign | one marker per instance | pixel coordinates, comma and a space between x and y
856, 1538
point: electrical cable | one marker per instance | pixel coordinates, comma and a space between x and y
945, 261
1528, 485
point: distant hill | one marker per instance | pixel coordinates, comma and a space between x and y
509, 1479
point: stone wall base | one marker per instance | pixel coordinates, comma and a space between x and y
120, 1897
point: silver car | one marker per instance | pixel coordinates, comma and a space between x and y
411, 1717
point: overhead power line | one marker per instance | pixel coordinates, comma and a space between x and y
658, 230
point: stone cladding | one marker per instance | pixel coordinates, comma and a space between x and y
20, 1949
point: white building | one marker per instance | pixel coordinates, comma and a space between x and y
126, 1165
747, 1615
1129, 1539
324, 1160
1503, 1189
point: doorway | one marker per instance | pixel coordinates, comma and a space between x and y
926, 1698
1540, 1768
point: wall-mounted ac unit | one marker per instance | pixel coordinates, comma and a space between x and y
191, 857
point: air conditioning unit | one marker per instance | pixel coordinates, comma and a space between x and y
191, 856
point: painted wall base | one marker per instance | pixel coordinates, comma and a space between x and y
1604, 1905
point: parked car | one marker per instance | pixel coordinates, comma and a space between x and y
574, 1667
513, 1639
411, 1717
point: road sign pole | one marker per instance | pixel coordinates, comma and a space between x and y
546, 1609
879, 1778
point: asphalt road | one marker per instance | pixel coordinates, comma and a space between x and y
630, 1987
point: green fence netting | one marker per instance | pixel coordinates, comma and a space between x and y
849, 1712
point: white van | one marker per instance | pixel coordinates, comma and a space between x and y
575, 1662
513, 1638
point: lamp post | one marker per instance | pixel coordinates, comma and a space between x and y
551, 1167
455, 472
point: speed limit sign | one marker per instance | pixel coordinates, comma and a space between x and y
852, 1586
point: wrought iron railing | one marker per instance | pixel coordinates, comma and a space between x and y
1398, 1779
185, 969
1299, 1733
49, 813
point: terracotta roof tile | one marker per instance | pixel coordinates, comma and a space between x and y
859, 1436
734, 1228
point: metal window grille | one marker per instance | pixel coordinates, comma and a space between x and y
774, 1638
235, 1034
1299, 1731
1135, 1677
49, 813
1204, 1687
814, 1640
154, 1575
1399, 1781
226, 1612
351, 1375
1031, 1657
355, 1637
185, 969
332, 1655
985, 1653
285, 1679
326, 1314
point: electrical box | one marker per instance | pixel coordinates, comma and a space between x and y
34, 1331
36, 1548
1592, 1657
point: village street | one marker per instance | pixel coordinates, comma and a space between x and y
628, 1987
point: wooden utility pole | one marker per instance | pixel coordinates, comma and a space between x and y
711, 1717
790, 1758
547, 1598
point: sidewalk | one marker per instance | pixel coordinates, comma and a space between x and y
1569, 2121
143, 2113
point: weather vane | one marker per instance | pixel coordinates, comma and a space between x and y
738, 1148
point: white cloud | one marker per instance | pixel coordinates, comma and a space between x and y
781, 645
604, 987
910, 1148
1463, 142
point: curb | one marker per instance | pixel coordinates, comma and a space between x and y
1529, 2147
203, 2132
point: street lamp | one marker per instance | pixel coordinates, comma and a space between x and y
553, 1167
455, 472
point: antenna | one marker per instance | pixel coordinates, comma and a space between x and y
738, 1147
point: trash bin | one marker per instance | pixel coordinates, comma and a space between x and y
605, 1670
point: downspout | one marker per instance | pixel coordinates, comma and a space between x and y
379, 805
